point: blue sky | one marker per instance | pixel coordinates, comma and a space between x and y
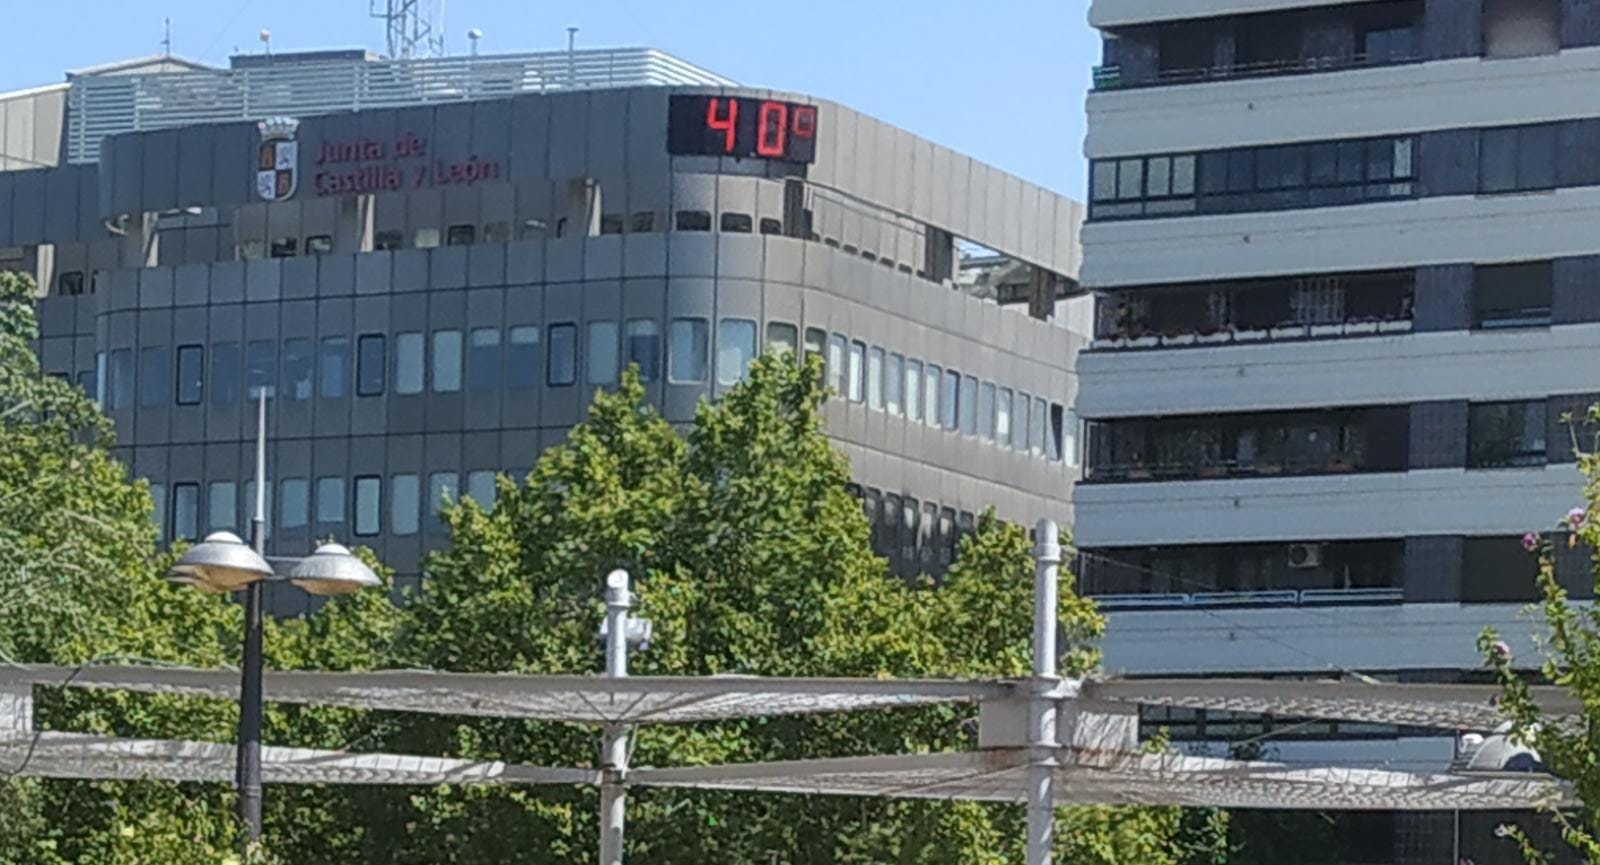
1002, 80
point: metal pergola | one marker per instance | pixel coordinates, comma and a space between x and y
1044, 741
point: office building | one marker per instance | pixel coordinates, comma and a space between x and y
1349, 287
431, 265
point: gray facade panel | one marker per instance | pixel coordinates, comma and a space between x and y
1443, 298
1438, 436
1452, 28
1580, 24
1575, 295
1433, 569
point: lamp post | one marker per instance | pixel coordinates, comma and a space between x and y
223, 564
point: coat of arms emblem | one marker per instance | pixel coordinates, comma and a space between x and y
277, 159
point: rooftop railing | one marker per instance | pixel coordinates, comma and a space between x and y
98, 106
1261, 598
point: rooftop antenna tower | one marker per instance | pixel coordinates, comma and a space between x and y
415, 28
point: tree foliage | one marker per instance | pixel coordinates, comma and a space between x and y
1570, 659
748, 555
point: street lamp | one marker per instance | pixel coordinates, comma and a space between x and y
223, 564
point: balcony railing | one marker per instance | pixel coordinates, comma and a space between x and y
1254, 336
98, 106
1263, 598
1111, 76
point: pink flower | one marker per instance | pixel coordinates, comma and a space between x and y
1575, 518
1530, 541
1502, 650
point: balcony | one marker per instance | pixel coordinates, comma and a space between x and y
1250, 312
1290, 42
1257, 445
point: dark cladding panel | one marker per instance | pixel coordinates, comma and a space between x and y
125, 161
197, 147
491, 131
27, 225
451, 142
569, 129
7, 185
530, 137
647, 133
159, 161
607, 138
61, 204
233, 169
89, 225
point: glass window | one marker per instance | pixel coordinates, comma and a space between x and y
969, 405
913, 390
89, 380
384, 241
771, 226
611, 223
782, 337
522, 356
250, 506
371, 364
642, 222
1130, 179
1513, 295
858, 372
284, 247
1036, 435
1103, 180
330, 500
319, 244
261, 355
405, 506
483, 359
644, 348
158, 509
1517, 158
294, 503
369, 506
426, 238
816, 341
688, 351
1057, 433
224, 378
443, 489
222, 506
1002, 417
738, 223
1069, 437
932, 409
408, 362
893, 380
446, 361
835, 364
986, 411
480, 488
949, 400
601, 353
298, 360
561, 361
70, 284
121, 378
1498, 570
333, 375
185, 511
1505, 434
693, 220
875, 378
736, 348
155, 366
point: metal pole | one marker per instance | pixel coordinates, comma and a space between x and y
614, 748
249, 768
1042, 727
572, 57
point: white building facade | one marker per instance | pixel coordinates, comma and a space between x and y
1347, 258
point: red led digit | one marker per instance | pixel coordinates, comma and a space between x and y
805, 121
723, 124
772, 129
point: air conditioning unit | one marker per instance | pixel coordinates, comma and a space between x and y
1305, 556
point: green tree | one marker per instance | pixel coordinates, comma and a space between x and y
750, 557
1570, 660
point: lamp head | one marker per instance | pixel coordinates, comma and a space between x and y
222, 563
332, 570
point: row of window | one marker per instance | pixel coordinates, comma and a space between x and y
947, 399
301, 504
1272, 177
916, 537
489, 358
443, 361
1285, 176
